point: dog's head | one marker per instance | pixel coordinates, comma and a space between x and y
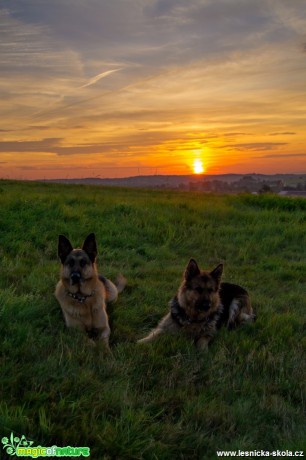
199, 291
78, 265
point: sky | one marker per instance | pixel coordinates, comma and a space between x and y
117, 88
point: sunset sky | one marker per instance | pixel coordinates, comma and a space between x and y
116, 88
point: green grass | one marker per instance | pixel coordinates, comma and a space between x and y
164, 400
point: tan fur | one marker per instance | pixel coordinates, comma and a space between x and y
87, 309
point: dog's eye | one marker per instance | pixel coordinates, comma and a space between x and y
199, 290
70, 263
83, 263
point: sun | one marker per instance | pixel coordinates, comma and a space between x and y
198, 167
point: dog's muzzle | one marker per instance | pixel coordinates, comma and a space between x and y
75, 277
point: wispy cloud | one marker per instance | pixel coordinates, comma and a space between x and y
98, 77
286, 133
43, 145
257, 146
283, 155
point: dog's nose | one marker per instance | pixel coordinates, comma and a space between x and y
75, 277
204, 306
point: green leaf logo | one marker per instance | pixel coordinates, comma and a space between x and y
11, 445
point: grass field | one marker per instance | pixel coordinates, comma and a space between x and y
164, 400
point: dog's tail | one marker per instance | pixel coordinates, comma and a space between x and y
113, 289
120, 283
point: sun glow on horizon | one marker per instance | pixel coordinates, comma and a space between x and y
198, 167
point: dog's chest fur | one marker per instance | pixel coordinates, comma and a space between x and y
196, 326
88, 312
207, 324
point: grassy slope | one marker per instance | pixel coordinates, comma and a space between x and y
165, 400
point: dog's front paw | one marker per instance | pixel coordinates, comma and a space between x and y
202, 343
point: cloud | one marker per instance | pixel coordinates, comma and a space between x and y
126, 145
44, 145
258, 146
282, 155
95, 79
286, 133
32, 48
156, 33
54, 145
234, 134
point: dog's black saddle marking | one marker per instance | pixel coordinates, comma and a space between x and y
179, 315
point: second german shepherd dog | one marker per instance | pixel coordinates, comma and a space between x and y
202, 304
81, 292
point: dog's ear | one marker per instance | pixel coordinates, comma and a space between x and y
90, 247
217, 273
64, 248
191, 270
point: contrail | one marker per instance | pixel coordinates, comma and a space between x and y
94, 80
105, 93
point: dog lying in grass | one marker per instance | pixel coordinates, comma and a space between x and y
81, 292
202, 304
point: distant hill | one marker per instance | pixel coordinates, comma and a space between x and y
185, 181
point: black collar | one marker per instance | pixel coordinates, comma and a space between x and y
80, 297
182, 319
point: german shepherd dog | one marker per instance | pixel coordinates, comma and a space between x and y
81, 292
202, 304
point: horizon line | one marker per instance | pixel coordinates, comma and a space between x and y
191, 175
